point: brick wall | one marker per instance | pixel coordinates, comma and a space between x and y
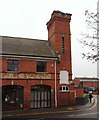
87, 84
27, 66
79, 92
58, 27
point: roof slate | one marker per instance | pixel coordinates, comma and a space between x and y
27, 47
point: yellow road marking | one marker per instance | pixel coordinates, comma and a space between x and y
51, 112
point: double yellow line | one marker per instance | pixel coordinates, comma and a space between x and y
94, 104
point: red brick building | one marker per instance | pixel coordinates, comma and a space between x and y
87, 82
38, 73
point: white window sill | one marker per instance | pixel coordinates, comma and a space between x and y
65, 91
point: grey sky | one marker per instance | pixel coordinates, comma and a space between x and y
28, 18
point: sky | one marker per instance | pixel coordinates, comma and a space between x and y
28, 18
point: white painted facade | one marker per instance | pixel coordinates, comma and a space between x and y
64, 77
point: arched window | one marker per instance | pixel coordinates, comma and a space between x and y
64, 88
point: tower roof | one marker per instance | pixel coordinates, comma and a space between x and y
58, 15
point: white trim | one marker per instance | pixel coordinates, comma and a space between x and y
65, 89
72, 90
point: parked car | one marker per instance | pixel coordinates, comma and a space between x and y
93, 89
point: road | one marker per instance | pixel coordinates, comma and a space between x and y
91, 113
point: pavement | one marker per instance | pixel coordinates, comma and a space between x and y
49, 110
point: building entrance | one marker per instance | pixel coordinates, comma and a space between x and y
12, 97
40, 96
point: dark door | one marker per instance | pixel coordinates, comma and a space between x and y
12, 97
40, 96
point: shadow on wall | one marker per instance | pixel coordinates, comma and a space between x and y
82, 100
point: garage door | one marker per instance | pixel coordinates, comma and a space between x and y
40, 96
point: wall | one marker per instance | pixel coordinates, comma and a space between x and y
79, 92
58, 27
87, 84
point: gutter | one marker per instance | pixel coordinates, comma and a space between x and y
29, 56
55, 87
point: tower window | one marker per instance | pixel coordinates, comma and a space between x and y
62, 44
64, 89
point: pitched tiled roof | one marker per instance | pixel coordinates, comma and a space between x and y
27, 47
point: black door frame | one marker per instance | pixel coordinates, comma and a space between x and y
12, 97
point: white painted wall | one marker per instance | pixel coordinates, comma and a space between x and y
64, 77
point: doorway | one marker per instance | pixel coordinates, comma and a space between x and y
12, 97
40, 96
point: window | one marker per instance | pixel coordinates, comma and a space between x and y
62, 44
41, 66
64, 77
64, 89
13, 65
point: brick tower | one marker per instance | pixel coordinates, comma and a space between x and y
60, 37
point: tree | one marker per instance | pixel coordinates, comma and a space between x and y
91, 37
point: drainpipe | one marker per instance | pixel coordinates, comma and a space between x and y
55, 87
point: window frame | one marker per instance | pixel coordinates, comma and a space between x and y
43, 67
64, 90
63, 49
11, 63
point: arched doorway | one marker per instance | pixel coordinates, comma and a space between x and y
12, 97
40, 96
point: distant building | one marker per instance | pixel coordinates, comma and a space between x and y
38, 73
86, 82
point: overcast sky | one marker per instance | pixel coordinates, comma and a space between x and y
28, 18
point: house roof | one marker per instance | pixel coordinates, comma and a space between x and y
91, 78
86, 79
25, 46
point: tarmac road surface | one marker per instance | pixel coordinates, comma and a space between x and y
89, 111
